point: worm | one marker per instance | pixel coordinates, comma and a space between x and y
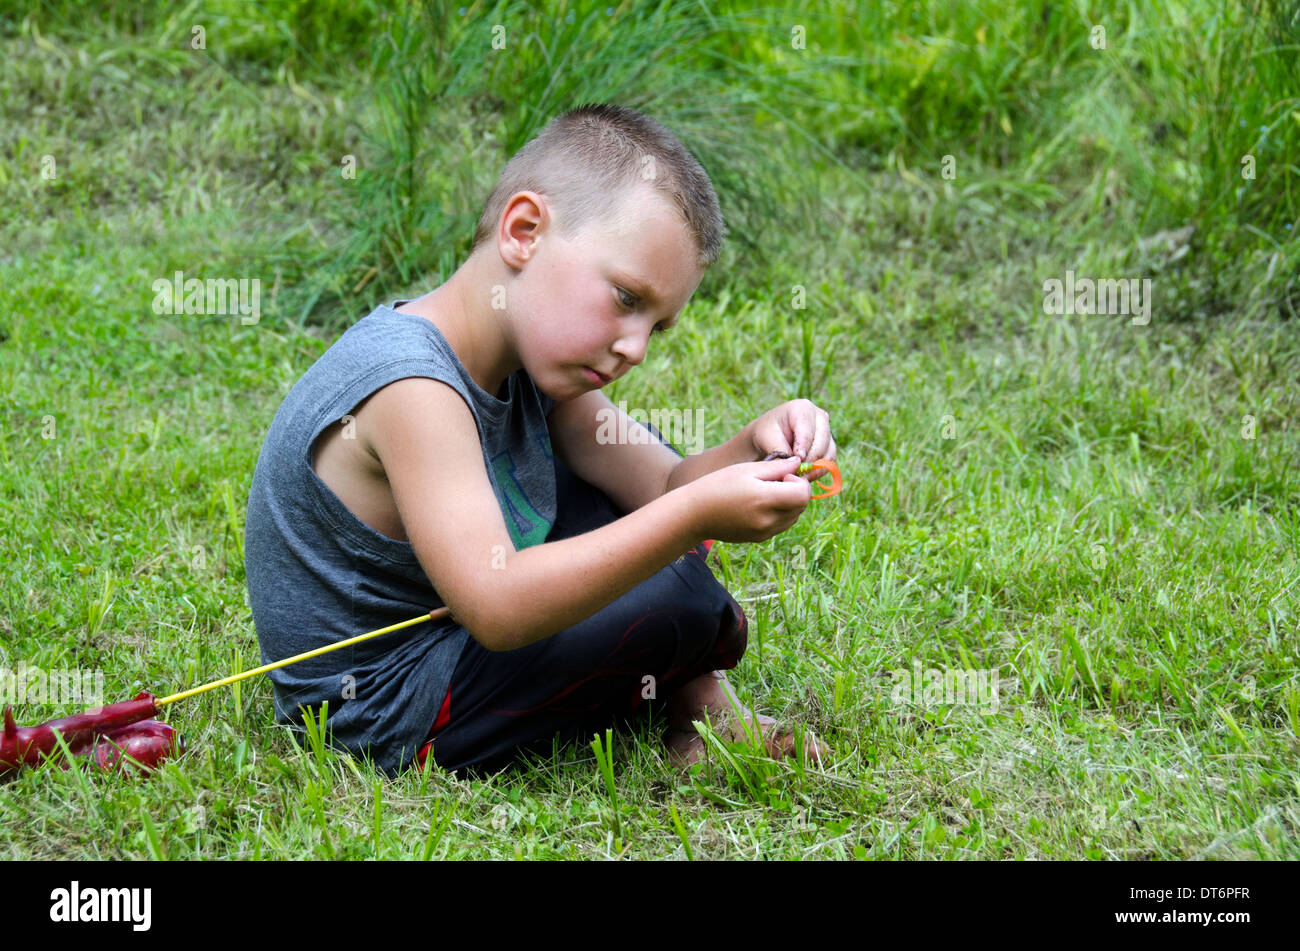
807, 467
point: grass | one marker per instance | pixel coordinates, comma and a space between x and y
1103, 514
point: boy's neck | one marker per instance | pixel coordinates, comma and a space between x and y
480, 336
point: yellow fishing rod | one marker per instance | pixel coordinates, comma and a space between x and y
431, 616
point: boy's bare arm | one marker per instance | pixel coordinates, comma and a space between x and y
631, 473
556, 585
738, 449
427, 441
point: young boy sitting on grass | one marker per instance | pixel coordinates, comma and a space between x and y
445, 450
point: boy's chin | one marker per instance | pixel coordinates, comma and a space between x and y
564, 396
561, 394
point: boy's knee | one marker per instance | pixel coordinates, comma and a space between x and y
714, 628
733, 637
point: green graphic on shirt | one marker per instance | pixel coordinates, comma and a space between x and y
527, 526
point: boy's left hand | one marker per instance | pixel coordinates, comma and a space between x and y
798, 427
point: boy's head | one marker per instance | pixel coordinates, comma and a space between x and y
604, 224
589, 159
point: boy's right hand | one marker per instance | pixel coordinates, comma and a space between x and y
751, 501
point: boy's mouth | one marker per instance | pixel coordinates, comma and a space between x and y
596, 376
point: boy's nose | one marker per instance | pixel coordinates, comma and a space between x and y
632, 349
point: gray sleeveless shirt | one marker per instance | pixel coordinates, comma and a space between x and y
318, 575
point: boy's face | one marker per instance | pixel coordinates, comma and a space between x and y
592, 301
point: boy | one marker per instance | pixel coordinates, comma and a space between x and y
444, 451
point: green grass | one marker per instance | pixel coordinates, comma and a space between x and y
1068, 501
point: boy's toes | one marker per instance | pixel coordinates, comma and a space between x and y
782, 743
815, 749
686, 746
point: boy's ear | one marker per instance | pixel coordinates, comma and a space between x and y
525, 216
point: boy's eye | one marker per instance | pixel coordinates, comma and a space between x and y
626, 299
661, 329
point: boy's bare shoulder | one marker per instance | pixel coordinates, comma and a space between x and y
420, 418
347, 460
417, 403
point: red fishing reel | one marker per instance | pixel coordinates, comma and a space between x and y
107, 737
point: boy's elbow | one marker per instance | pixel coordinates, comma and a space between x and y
500, 633
484, 631
489, 641
491, 628
495, 621
478, 600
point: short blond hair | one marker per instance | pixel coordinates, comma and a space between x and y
586, 160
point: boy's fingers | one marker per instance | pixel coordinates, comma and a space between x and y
806, 441
824, 444
803, 494
774, 468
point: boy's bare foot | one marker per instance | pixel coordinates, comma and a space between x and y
711, 698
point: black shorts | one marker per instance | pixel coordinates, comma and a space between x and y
624, 661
